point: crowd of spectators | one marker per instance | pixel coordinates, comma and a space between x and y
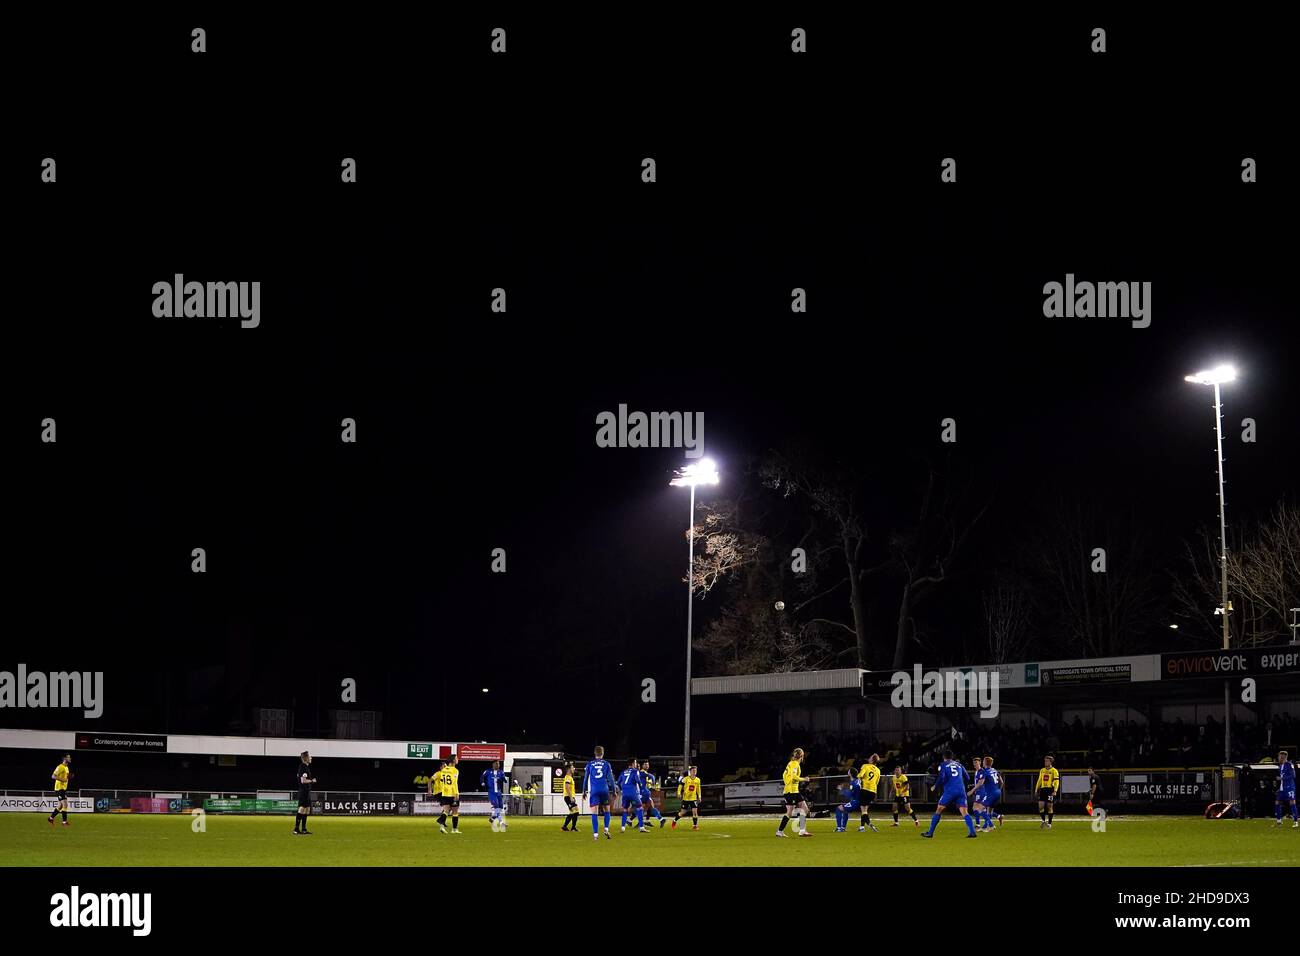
1021, 745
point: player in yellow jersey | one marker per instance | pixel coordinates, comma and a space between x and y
448, 782
902, 796
869, 776
689, 791
570, 800
62, 773
793, 797
1049, 784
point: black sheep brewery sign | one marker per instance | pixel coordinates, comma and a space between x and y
1182, 791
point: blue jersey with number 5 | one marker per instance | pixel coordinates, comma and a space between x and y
953, 778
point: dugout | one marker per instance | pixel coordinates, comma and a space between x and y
1253, 786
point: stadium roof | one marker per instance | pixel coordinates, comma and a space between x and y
1177, 673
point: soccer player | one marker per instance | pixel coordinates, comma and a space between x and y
629, 782
794, 799
597, 777
902, 795
1049, 782
449, 794
870, 777
689, 791
305, 778
987, 794
493, 781
976, 791
952, 782
1285, 790
852, 794
649, 783
570, 800
1094, 789
64, 770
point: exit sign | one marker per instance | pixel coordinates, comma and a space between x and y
419, 751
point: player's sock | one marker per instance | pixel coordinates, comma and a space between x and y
803, 821
595, 824
640, 818
455, 821
785, 818
970, 823
624, 823
895, 816
866, 818
442, 819
1050, 814
1042, 815
607, 815
934, 823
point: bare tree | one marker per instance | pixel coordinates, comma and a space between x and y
1265, 572
833, 496
926, 554
1100, 613
1006, 623
1263, 580
723, 547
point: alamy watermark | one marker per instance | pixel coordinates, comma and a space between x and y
208, 300
129, 910
37, 689
1102, 300
624, 429
944, 690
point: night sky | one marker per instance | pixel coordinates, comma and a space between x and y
477, 430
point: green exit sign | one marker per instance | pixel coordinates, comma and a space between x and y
419, 751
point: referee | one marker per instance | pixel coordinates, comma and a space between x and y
1094, 790
305, 780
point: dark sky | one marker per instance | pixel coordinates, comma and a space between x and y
477, 430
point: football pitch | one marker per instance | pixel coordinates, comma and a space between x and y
162, 840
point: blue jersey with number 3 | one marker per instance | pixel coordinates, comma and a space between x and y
597, 776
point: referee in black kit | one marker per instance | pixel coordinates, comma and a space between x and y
305, 780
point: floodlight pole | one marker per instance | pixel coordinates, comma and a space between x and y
1223, 565
690, 607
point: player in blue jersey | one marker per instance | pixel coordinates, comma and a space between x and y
952, 781
976, 791
987, 794
597, 779
1286, 789
851, 793
648, 783
493, 781
629, 783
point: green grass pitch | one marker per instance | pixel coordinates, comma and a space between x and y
146, 840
